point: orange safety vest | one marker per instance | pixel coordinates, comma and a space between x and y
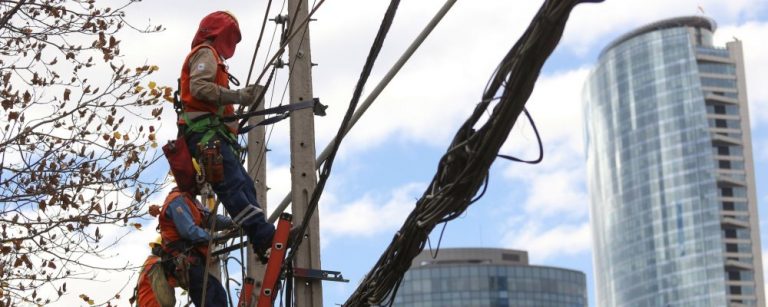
192, 104
145, 295
168, 230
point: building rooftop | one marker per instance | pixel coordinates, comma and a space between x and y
685, 21
448, 256
476, 256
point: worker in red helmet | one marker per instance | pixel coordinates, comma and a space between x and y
206, 98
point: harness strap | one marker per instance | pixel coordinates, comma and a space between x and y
268, 121
209, 124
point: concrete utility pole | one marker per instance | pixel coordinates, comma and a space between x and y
257, 169
303, 176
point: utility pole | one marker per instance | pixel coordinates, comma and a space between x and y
303, 176
257, 169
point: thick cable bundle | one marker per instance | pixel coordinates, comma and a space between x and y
463, 169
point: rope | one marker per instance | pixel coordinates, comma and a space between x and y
463, 170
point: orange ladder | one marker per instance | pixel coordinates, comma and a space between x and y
272, 273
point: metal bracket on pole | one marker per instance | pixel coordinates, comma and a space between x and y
319, 275
280, 19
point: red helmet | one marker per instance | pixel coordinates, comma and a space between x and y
221, 30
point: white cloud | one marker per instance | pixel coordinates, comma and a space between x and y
556, 185
544, 242
765, 273
131, 251
752, 36
617, 17
432, 95
433, 92
556, 193
279, 183
555, 106
103, 285
369, 215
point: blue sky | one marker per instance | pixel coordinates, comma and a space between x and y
390, 156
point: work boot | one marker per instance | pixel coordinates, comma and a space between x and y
263, 252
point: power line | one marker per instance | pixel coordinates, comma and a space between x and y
359, 111
463, 170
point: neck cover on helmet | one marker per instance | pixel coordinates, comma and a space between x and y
221, 30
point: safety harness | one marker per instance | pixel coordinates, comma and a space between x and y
184, 167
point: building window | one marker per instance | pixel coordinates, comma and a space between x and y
510, 257
717, 68
715, 82
724, 164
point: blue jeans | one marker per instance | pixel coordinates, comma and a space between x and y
215, 295
238, 194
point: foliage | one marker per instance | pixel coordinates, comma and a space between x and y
76, 134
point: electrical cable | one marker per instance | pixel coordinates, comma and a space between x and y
538, 140
327, 166
258, 41
374, 93
463, 170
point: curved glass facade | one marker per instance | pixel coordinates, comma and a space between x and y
473, 284
657, 196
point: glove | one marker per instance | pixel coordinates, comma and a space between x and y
249, 94
244, 96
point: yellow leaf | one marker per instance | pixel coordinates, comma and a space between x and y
153, 145
117, 135
139, 88
152, 85
154, 68
91, 302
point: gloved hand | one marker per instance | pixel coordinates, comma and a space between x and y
244, 96
250, 93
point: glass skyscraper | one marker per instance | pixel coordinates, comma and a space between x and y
671, 175
488, 277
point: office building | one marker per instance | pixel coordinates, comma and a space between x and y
488, 277
670, 170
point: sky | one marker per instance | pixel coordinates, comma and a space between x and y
387, 160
